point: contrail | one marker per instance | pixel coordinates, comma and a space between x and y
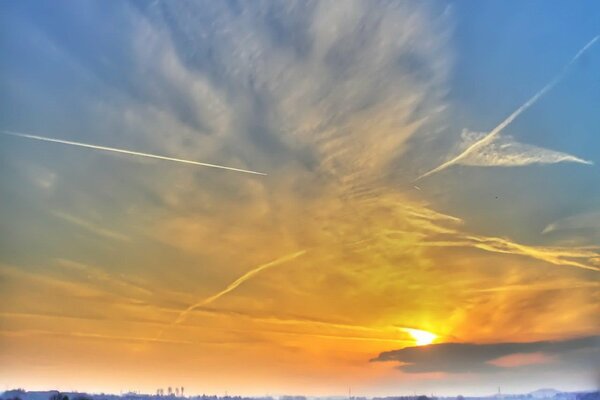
232, 286
494, 132
123, 151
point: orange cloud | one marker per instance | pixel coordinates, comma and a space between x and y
522, 359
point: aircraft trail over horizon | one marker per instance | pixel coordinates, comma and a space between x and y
232, 286
124, 151
496, 131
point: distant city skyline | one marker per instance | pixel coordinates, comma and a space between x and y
544, 393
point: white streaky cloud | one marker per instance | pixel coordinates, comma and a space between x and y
91, 227
504, 151
588, 220
123, 151
578, 257
103, 278
87, 335
345, 331
491, 136
232, 286
535, 287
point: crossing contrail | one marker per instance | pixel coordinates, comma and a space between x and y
494, 132
231, 287
123, 151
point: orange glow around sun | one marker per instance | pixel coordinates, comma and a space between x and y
422, 338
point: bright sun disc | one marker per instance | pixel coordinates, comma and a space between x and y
422, 338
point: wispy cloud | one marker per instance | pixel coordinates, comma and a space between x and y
73, 288
540, 286
232, 286
490, 137
104, 279
437, 230
504, 151
579, 257
587, 221
91, 227
88, 335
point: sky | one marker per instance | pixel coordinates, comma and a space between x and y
422, 212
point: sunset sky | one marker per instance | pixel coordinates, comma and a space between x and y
431, 175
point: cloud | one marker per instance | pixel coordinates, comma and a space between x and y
490, 137
543, 286
579, 257
589, 221
521, 359
504, 151
478, 358
91, 227
100, 277
87, 335
74, 289
233, 285
323, 98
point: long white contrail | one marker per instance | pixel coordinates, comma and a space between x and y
494, 132
232, 286
123, 151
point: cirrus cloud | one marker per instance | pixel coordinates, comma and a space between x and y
504, 151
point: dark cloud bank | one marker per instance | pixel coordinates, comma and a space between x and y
471, 357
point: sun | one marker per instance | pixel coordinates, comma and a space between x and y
422, 338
